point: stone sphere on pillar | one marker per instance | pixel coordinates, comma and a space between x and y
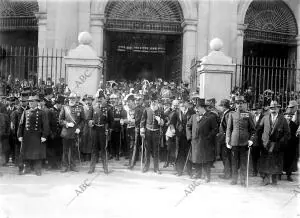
216, 44
84, 38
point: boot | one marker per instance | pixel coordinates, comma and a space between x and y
92, 169
289, 178
274, 179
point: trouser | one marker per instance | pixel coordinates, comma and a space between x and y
99, 144
255, 154
239, 161
115, 143
54, 152
152, 147
36, 165
18, 155
183, 152
171, 149
226, 159
69, 151
203, 167
131, 141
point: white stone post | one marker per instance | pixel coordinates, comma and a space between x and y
216, 73
97, 26
84, 72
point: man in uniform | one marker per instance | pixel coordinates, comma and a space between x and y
100, 124
239, 136
71, 118
150, 131
32, 133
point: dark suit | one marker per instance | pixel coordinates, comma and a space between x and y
255, 151
274, 138
183, 143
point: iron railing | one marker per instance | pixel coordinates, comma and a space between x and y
18, 23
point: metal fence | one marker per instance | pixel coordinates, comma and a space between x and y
23, 63
267, 78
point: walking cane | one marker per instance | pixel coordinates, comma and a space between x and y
247, 173
142, 153
77, 144
187, 159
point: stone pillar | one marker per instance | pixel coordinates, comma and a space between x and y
96, 28
189, 47
298, 64
216, 73
42, 25
84, 72
203, 28
239, 51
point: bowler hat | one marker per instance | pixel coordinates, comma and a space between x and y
225, 103
292, 103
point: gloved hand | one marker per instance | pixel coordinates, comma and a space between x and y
43, 139
250, 143
20, 139
121, 121
228, 146
91, 123
70, 125
77, 131
142, 132
107, 132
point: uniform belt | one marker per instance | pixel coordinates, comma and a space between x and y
152, 129
99, 125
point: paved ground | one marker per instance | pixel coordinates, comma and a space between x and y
125, 193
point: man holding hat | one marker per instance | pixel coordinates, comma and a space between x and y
275, 135
100, 124
239, 135
71, 118
201, 130
32, 133
150, 131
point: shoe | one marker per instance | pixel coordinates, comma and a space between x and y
130, 167
265, 182
207, 180
233, 182
145, 170
224, 177
166, 165
105, 170
157, 172
74, 169
38, 173
289, 178
243, 183
196, 176
92, 170
179, 174
64, 170
279, 177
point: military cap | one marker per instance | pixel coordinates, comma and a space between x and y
240, 98
113, 96
257, 105
129, 97
274, 104
73, 95
85, 97
100, 94
34, 98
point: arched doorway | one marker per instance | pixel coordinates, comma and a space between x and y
18, 38
270, 49
143, 39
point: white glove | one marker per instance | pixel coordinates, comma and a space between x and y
77, 131
121, 121
43, 139
250, 143
142, 132
228, 146
157, 118
20, 139
70, 125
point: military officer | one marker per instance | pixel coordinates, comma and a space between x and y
100, 124
150, 130
71, 118
32, 133
240, 133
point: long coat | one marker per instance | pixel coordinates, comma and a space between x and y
291, 151
86, 142
33, 125
202, 132
274, 139
4, 136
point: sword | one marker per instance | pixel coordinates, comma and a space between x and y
187, 159
247, 173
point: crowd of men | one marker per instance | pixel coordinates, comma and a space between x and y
56, 128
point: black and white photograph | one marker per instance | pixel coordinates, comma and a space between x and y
149, 108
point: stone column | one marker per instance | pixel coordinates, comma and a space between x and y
96, 28
189, 47
298, 64
239, 53
203, 28
216, 73
42, 25
84, 72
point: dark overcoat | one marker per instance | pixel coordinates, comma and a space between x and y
4, 136
86, 142
33, 126
202, 132
291, 151
274, 138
